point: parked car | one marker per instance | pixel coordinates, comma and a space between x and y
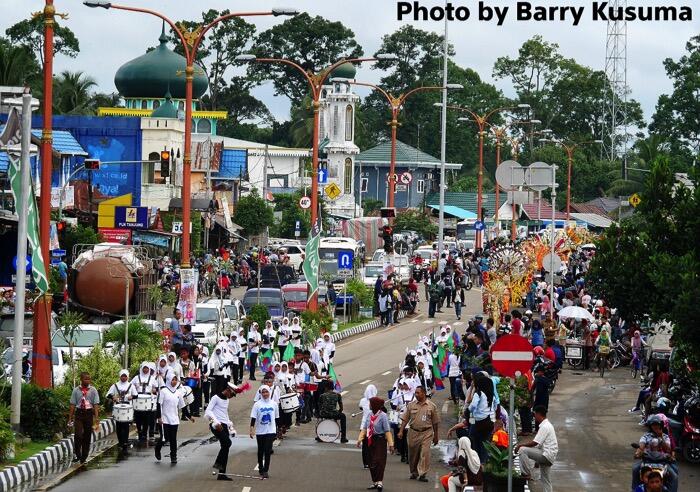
295, 253
154, 325
210, 323
234, 312
296, 296
7, 328
272, 298
86, 337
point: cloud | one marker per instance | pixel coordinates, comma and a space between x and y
110, 38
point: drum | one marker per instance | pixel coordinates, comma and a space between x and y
187, 395
327, 430
394, 417
145, 403
290, 402
123, 412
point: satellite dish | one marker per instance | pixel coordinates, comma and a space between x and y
538, 176
510, 175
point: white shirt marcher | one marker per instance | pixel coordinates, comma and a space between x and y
217, 412
544, 452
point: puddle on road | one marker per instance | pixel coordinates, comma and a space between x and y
447, 450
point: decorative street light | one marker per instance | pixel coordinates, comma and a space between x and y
190, 40
316, 81
569, 148
396, 104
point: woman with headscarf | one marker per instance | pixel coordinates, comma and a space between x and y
376, 429
254, 340
174, 364
283, 380
285, 336
162, 369
268, 336
122, 392
370, 392
219, 369
242, 354
602, 344
296, 332
482, 408
263, 428
145, 384
469, 471
170, 401
234, 347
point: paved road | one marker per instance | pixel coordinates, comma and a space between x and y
589, 413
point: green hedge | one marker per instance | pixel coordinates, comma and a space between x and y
44, 411
7, 437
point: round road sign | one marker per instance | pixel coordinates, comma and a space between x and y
406, 178
305, 202
401, 247
511, 354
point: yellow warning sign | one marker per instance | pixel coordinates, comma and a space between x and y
333, 191
635, 200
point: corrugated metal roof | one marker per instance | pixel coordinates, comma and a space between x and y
464, 200
593, 219
587, 208
234, 163
406, 156
64, 143
458, 212
530, 210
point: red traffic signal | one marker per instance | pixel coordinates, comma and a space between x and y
61, 226
92, 164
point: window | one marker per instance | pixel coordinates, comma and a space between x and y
322, 127
332, 169
364, 184
156, 104
204, 126
348, 123
420, 186
148, 176
336, 122
144, 104
348, 176
277, 181
181, 106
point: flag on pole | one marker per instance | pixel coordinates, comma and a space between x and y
266, 361
437, 379
442, 361
38, 267
288, 353
334, 378
456, 339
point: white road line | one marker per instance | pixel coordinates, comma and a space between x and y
366, 381
256, 468
414, 321
245, 489
343, 393
427, 322
386, 373
444, 406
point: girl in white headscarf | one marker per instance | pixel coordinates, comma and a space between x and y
263, 428
122, 392
254, 340
242, 354
296, 332
468, 459
174, 364
145, 384
370, 392
219, 368
162, 369
170, 401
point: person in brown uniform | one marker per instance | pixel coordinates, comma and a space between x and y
422, 418
84, 413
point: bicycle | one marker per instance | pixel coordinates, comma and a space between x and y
636, 365
603, 359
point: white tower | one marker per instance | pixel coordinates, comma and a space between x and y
337, 136
614, 135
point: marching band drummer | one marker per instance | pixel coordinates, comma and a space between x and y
145, 384
170, 401
122, 392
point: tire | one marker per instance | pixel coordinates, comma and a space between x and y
575, 363
613, 359
469, 286
634, 370
691, 452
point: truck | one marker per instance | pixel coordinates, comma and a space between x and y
365, 230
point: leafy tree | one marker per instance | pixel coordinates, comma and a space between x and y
370, 205
313, 42
140, 335
79, 234
288, 204
69, 324
677, 116
30, 33
72, 93
464, 184
18, 66
253, 213
241, 106
415, 220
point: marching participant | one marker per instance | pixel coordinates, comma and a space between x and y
296, 332
285, 336
254, 340
242, 354
328, 347
218, 369
122, 392
145, 384
221, 426
263, 428
190, 379
268, 336
370, 392
174, 365
234, 348
377, 434
161, 371
170, 401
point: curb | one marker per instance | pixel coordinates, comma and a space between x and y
42, 463
356, 330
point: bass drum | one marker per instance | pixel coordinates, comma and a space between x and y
327, 430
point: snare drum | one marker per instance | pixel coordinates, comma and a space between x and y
123, 412
327, 430
187, 395
290, 402
145, 403
394, 417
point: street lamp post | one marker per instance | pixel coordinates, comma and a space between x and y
569, 149
396, 103
190, 40
316, 81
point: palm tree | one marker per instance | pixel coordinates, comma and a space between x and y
69, 323
72, 93
18, 67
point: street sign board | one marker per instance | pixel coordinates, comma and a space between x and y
547, 262
401, 188
345, 273
401, 247
28, 263
322, 176
305, 202
635, 200
297, 228
345, 259
333, 191
478, 225
131, 217
55, 261
406, 178
177, 227
394, 176
511, 354
57, 253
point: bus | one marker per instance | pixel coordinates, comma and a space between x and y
328, 251
465, 229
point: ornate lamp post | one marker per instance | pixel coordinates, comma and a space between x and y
190, 41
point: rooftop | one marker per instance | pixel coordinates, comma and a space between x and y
464, 200
406, 156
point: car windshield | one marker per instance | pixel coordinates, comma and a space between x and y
7, 324
267, 301
295, 295
373, 271
424, 253
378, 255
82, 338
231, 311
207, 315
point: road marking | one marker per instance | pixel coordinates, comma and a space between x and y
427, 322
256, 468
457, 323
245, 489
366, 381
414, 321
386, 373
444, 406
343, 393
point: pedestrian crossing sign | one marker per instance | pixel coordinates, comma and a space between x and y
635, 200
333, 191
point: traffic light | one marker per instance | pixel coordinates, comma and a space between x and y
92, 164
388, 237
164, 163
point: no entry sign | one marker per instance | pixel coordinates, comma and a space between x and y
511, 354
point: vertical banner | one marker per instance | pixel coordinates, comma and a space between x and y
187, 304
311, 261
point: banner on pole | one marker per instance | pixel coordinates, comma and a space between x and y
188, 296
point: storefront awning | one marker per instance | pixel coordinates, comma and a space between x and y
460, 213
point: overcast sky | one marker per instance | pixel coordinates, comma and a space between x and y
110, 38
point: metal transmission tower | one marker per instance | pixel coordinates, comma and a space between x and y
615, 121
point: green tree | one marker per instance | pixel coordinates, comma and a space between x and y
312, 42
288, 204
677, 116
30, 33
370, 205
69, 324
80, 234
415, 220
140, 335
73, 93
253, 213
18, 66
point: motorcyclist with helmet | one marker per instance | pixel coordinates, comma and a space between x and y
655, 447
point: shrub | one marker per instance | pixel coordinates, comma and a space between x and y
140, 336
258, 313
313, 324
7, 437
103, 368
44, 411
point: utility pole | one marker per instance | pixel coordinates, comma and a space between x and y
443, 142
